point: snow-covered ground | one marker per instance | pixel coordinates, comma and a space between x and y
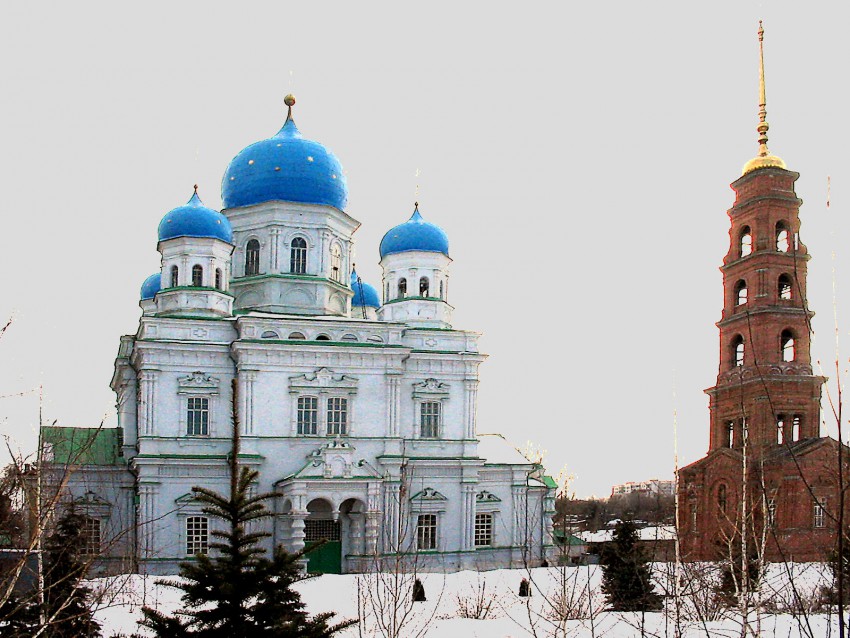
563, 602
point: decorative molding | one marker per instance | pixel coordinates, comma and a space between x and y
198, 383
323, 379
428, 494
430, 389
487, 497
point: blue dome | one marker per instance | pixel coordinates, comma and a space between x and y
195, 220
364, 294
285, 167
151, 286
415, 234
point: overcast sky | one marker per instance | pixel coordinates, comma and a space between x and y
577, 154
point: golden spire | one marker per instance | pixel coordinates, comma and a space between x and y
289, 100
764, 158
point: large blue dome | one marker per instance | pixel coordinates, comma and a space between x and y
285, 167
415, 234
364, 294
195, 220
151, 286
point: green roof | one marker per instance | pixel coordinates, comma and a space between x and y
549, 482
82, 446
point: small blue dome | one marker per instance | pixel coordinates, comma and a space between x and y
195, 220
364, 294
415, 234
151, 286
285, 167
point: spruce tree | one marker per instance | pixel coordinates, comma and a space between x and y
626, 578
66, 610
239, 592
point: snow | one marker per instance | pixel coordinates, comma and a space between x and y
661, 533
574, 590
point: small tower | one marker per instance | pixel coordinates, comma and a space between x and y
285, 197
365, 303
196, 243
415, 259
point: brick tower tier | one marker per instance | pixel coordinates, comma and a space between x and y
765, 407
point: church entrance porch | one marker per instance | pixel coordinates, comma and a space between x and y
324, 536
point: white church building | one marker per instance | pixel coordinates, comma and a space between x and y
357, 408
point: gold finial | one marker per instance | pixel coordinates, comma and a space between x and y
764, 158
196, 189
289, 100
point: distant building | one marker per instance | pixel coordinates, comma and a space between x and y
652, 487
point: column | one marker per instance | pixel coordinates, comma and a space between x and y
470, 402
147, 386
373, 514
246, 402
146, 518
393, 404
274, 250
467, 542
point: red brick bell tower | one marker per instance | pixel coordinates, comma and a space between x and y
767, 466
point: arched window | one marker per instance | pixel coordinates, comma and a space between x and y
721, 498
786, 341
730, 434
197, 275
738, 350
252, 258
175, 276
782, 238
298, 256
218, 279
741, 293
423, 287
336, 263
402, 288
784, 287
296, 335
780, 429
746, 241
441, 290
323, 338
796, 424
387, 293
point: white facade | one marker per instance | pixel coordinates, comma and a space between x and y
361, 420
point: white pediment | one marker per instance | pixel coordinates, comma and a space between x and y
322, 379
198, 382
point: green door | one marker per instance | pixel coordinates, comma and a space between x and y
326, 559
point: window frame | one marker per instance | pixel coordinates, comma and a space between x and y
745, 242
427, 532
91, 532
200, 412
196, 530
430, 418
298, 256
197, 276
819, 513
252, 257
785, 287
219, 279
301, 411
336, 415
336, 263
483, 531
175, 276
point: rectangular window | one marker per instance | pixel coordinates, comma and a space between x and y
426, 532
308, 415
771, 513
337, 416
197, 535
820, 512
90, 533
429, 419
483, 530
198, 416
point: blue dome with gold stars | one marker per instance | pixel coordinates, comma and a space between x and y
415, 234
195, 220
285, 167
151, 286
364, 294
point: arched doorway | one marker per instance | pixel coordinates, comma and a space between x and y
322, 525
